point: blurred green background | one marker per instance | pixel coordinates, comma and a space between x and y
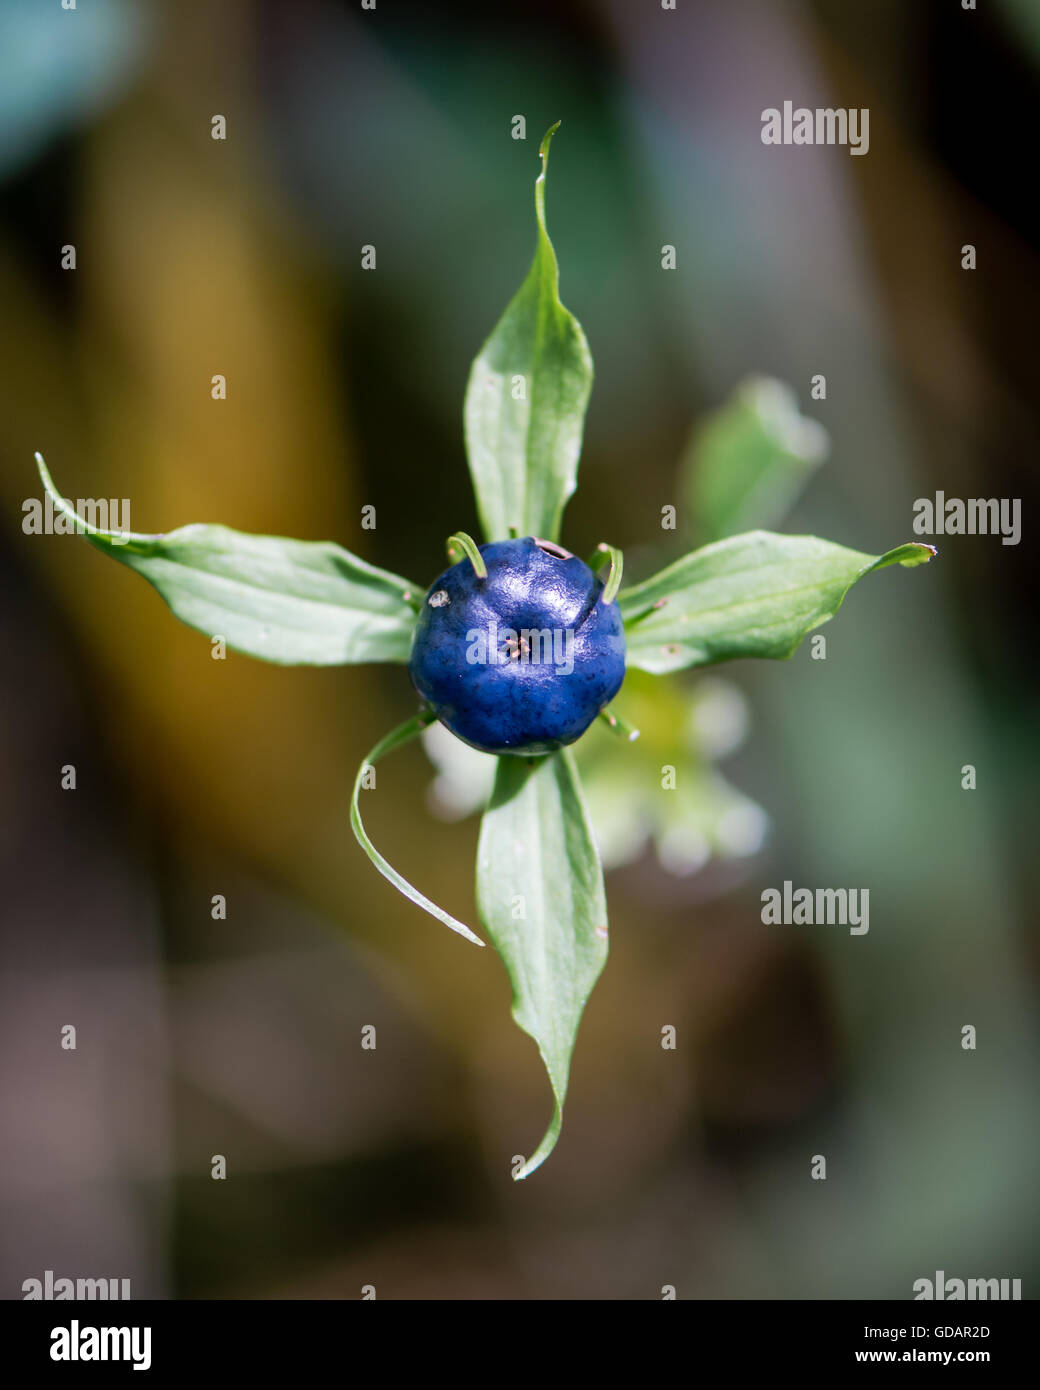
242, 1037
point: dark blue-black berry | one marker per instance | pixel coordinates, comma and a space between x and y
523, 659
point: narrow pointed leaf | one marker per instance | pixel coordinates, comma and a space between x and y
540, 895
525, 401
752, 595
404, 733
286, 601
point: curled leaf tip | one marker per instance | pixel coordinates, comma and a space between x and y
63, 505
908, 555
44, 472
543, 148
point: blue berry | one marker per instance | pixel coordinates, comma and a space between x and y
522, 660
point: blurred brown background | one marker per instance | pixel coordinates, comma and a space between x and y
194, 777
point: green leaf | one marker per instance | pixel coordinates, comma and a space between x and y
404, 733
306, 602
753, 595
537, 857
747, 463
523, 453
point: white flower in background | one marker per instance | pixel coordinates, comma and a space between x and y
464, 775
